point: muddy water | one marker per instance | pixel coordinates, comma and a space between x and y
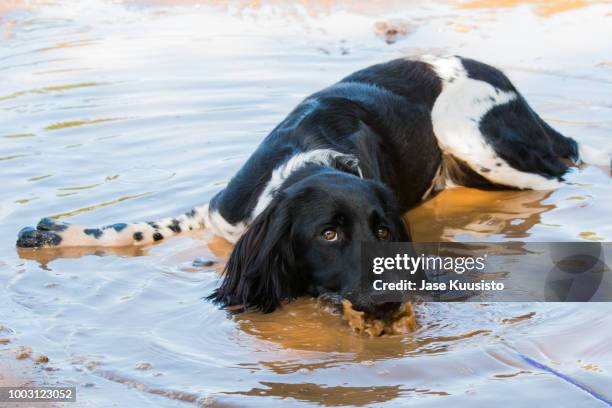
134, 110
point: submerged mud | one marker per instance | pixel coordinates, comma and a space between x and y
400, 322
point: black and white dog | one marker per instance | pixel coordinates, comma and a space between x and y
343, 167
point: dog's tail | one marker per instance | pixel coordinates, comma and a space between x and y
594, 156
53, 233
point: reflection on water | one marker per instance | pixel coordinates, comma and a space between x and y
330, 396
544, 8
137, 109
306, 325
460, 212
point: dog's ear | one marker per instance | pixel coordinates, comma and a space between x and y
368, 146
394, 213
405, 234
260, 271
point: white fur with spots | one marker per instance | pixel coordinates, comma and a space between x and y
54, 233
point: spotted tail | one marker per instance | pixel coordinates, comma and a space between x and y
53, 233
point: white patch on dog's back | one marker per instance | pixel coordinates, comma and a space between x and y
322, 157
456, 117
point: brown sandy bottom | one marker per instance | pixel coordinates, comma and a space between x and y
20, 367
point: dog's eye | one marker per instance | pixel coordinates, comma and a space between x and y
383, 233
329, 234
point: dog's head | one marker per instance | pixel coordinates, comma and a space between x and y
307, 241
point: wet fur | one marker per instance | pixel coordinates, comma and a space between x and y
407, 127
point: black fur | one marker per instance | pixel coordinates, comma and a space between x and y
483, 72
94, 232
282, 256
29, 237
117, 227
175, 226
49, 224
260, 272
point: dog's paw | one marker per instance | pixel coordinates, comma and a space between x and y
49, 224
45, 234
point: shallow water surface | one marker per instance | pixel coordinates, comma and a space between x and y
134, 110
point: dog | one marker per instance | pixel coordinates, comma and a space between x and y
344, 166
